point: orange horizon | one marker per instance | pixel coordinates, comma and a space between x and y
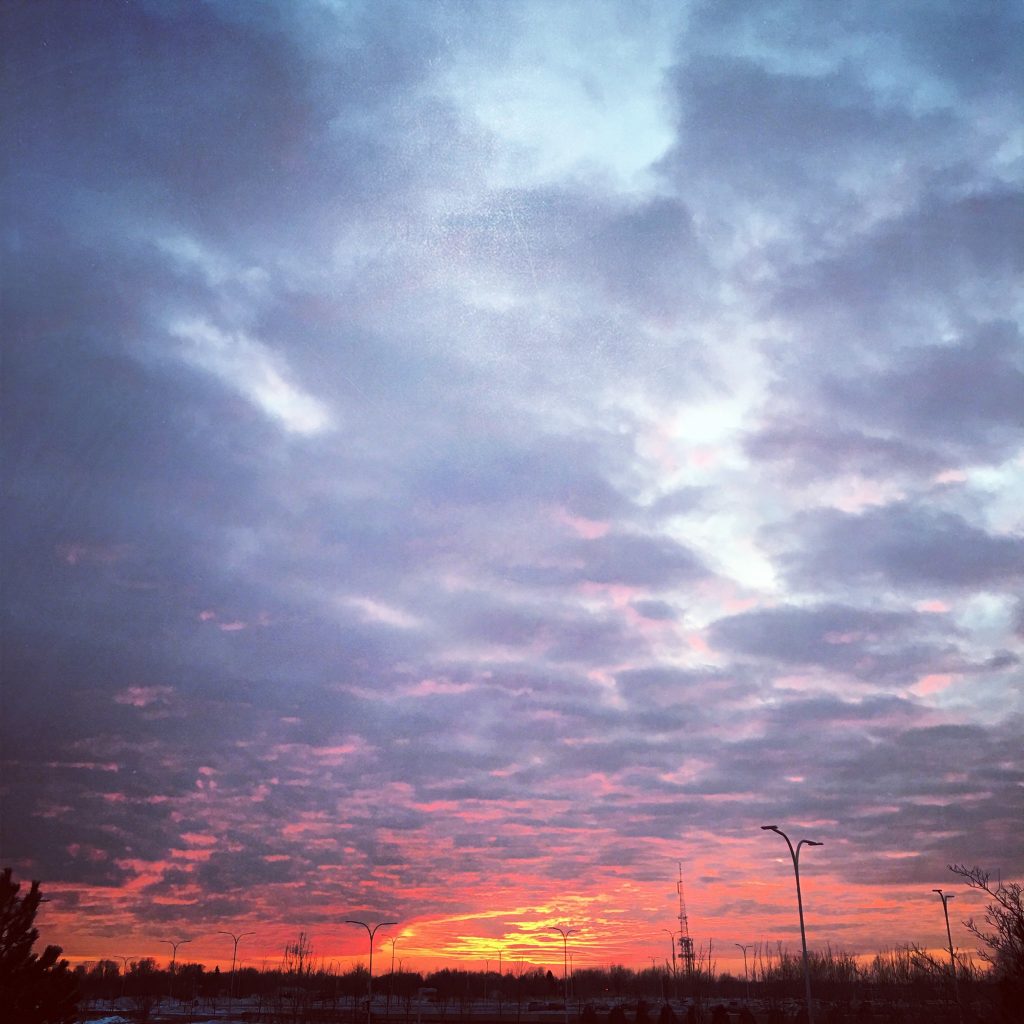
606, 930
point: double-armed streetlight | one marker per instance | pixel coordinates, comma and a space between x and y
124, 974
501, 983
795, 854
746, 977
946, 897
675, 976
369, 977
234, 956
174, 956
391, 976
565, 933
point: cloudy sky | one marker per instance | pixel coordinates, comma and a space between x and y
464, 459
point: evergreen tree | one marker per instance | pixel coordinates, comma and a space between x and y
34, 988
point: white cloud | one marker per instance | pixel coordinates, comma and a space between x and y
579, 91
254, 371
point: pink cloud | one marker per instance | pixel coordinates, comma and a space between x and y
144, 696
589, 529
935, 683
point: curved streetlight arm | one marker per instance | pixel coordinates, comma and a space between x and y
174, 946
369, 974
565, 933
795, 855
174, 956
777, 830
946, 897
805, 842
370, 931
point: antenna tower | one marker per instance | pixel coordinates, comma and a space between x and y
685, 942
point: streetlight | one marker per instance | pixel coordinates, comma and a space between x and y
946, 897
746, 977
501, 984
675, 977
369, 978
234, 956
174, 956
124, 973
795, 854
565, 933
391, 977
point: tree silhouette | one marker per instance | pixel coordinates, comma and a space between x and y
34, 988
1004, 935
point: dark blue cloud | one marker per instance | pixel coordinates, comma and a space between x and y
903, 545
862, 642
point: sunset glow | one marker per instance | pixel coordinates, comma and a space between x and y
467, 462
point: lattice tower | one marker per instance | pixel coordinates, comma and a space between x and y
685, 942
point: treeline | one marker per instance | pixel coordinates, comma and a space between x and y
908, 983
904, 984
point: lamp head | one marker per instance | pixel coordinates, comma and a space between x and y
811, 842
769, 828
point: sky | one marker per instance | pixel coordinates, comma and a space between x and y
467, 463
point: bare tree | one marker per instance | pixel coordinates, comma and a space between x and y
1004, 916
1001, 933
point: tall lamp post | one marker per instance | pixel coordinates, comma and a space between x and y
795, 854
124, 973
565, 933
174, 956
675, 976
234, 957
501, 984
746, 977
369, 979
391, 977
946, 897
